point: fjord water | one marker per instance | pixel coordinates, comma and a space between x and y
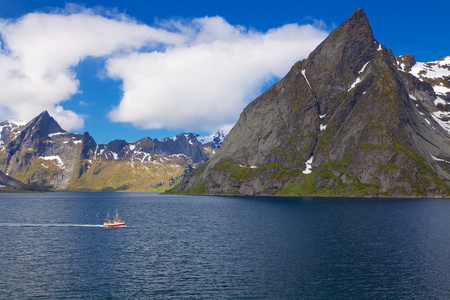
53, 246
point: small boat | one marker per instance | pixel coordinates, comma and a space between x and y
114, 222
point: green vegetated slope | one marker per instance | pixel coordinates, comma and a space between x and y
128, 176
341, 122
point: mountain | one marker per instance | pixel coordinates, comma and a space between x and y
437, 75
8, 183
351, 119
42, 154
216, 138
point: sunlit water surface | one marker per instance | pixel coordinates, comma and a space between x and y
53, 245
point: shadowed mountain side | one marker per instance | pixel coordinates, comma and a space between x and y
341, 122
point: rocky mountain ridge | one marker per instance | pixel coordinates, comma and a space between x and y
437, 75
351, 119
41, 153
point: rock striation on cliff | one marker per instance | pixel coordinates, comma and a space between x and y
351, 119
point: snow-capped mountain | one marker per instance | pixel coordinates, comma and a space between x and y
10, 128
437, 75
41, 153
215, 138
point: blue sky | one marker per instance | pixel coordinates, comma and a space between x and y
131, 69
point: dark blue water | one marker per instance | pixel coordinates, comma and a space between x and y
51, 246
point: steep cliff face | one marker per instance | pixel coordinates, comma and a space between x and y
344, 121
41, 154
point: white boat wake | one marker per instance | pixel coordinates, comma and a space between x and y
47, 225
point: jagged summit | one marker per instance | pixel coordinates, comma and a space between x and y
42, 126
353, 37
341, 122
335, 63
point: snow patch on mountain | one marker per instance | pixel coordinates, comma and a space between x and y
55, 159
14, 123
55, 134
215, 138
358, 80
13, 127
363, 68
304, 75
308, 165
437, 116
441, 90
434, 69
439, 159
437, 74
439, 101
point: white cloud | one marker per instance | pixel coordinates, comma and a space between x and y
205, 83
198, 74
39, 51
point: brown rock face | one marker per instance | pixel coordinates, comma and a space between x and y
42, 154
341, 122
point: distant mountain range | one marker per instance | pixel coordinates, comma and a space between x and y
350, 120
40, 154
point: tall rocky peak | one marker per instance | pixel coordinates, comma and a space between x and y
341, 122
186, 144
42, 126
116, 145
89, 146
335, 63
